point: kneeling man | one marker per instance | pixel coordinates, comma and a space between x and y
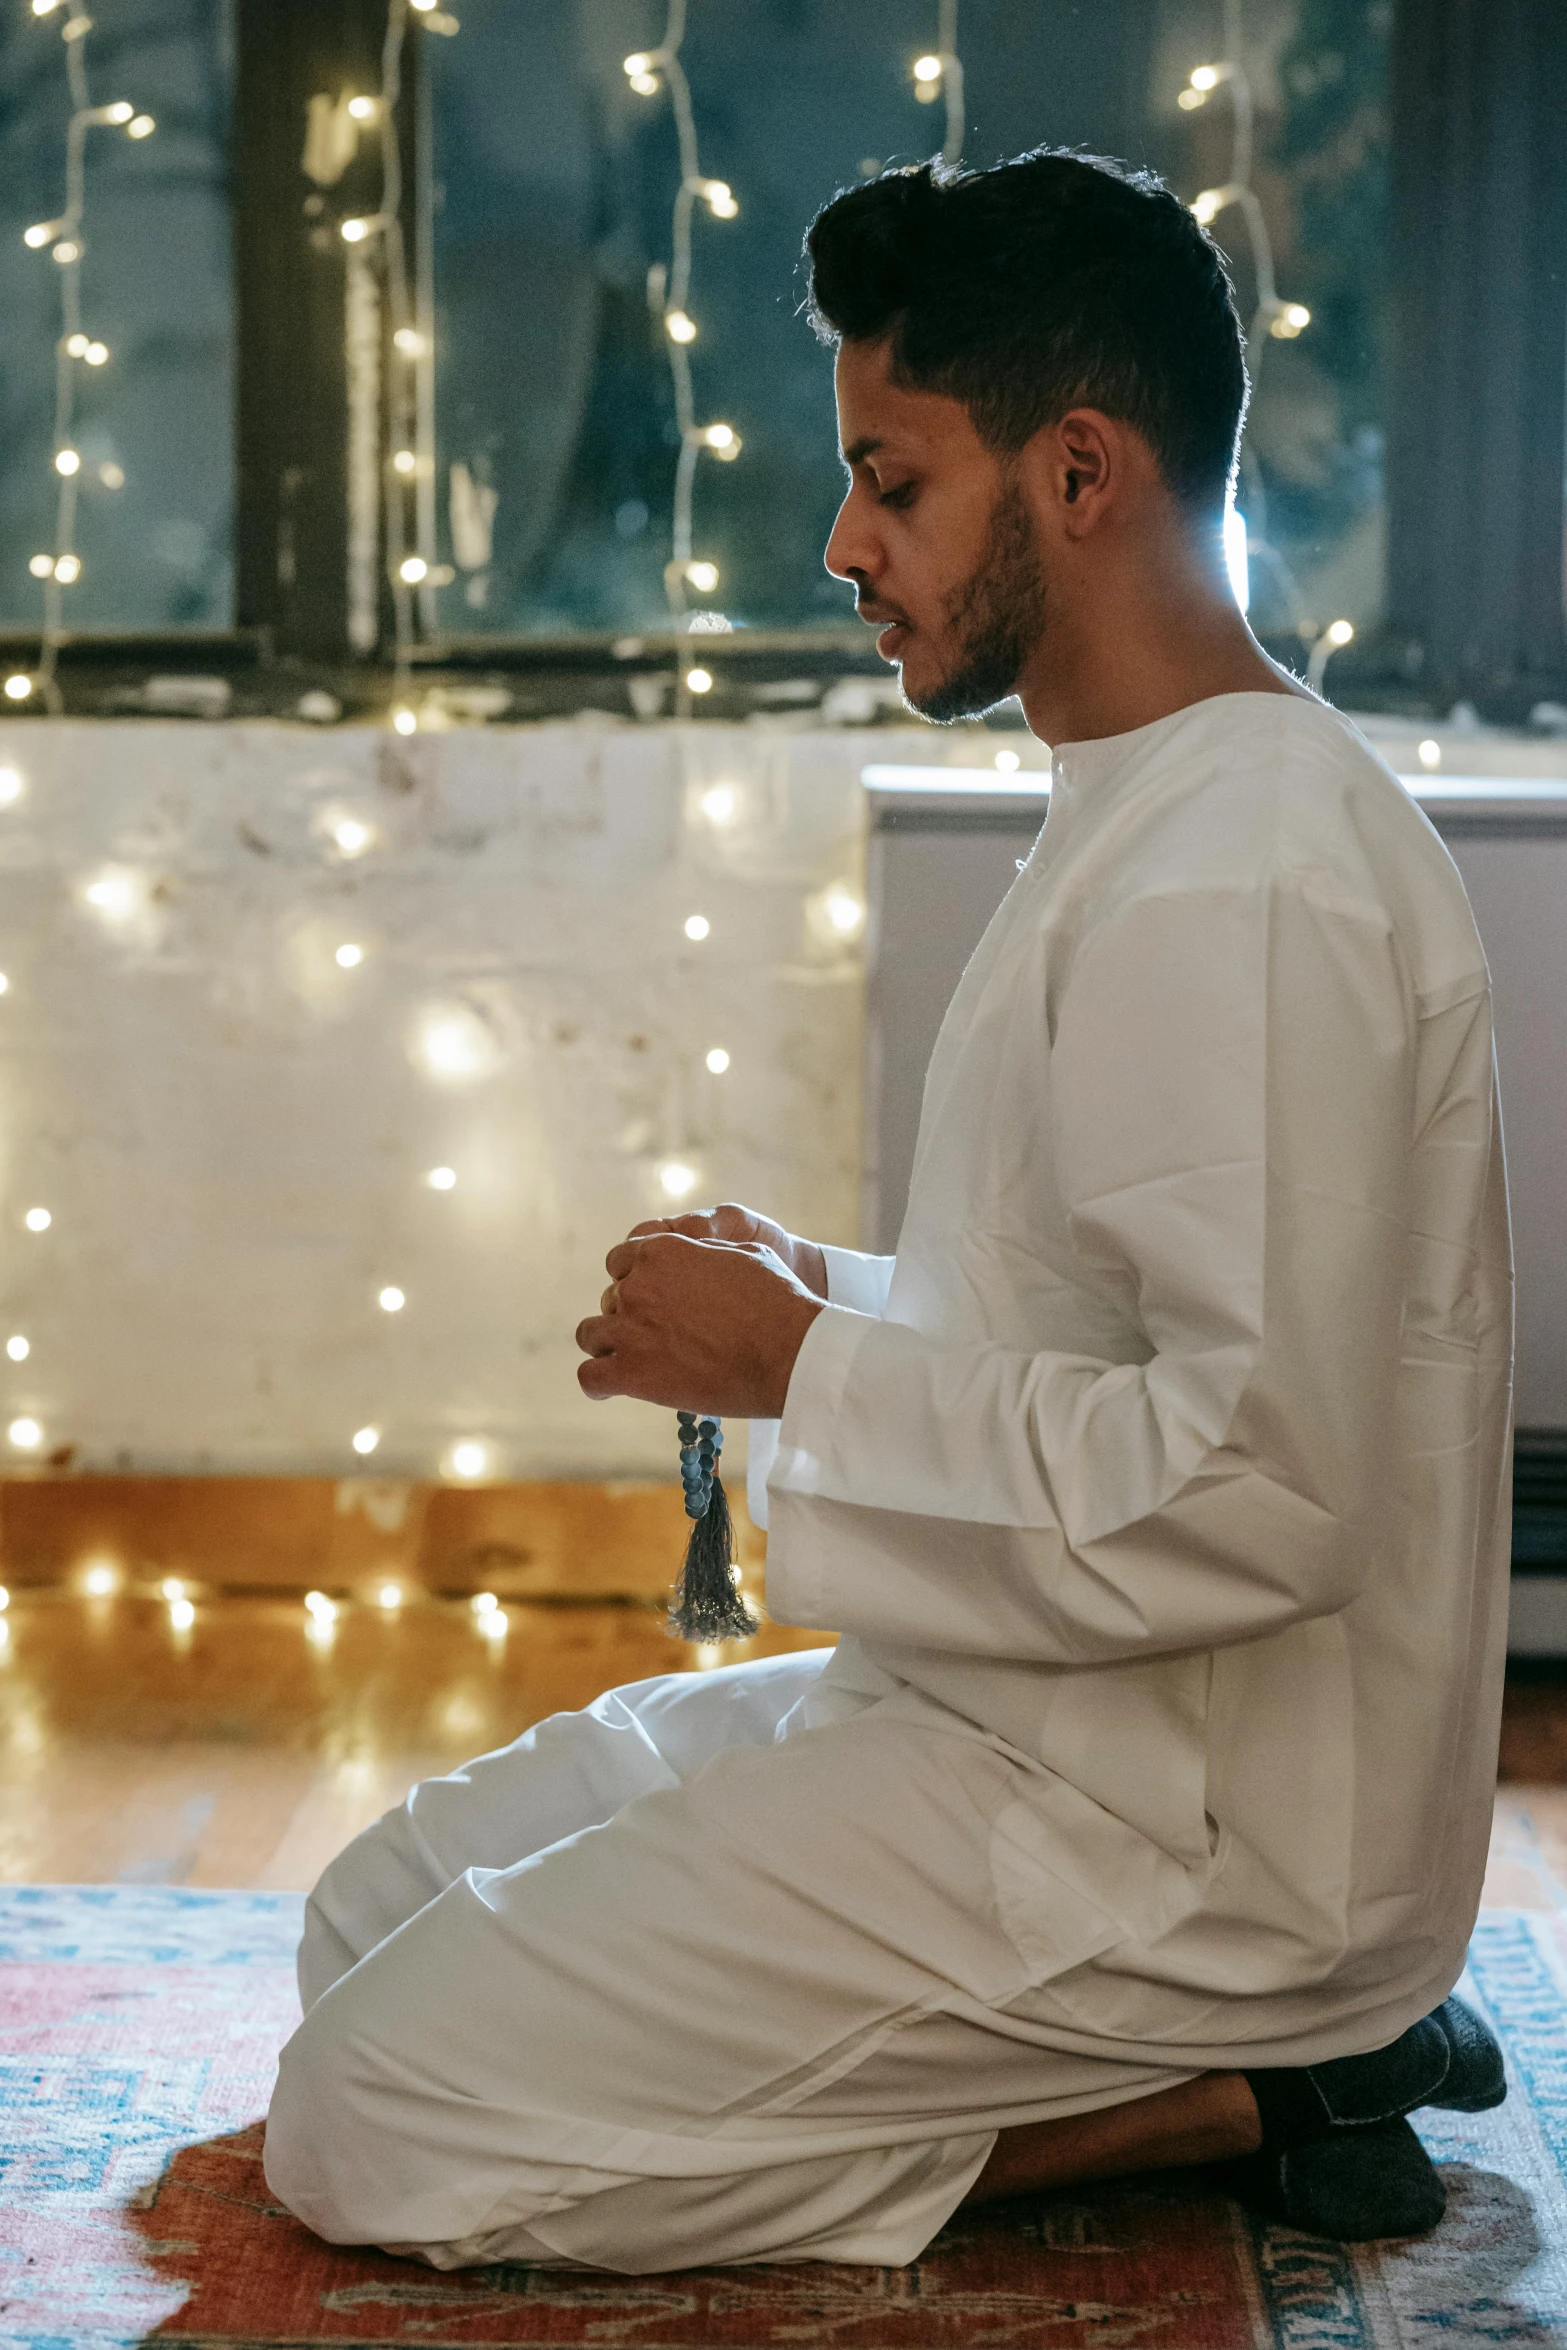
1157, 1486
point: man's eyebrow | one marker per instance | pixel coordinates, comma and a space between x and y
857, 451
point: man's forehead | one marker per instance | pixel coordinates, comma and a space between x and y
878, 416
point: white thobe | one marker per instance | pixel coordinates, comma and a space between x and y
1160, 1489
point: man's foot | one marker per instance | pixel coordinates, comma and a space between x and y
1377, 2181
1337, 2155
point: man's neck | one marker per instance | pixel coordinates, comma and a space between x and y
1139, 649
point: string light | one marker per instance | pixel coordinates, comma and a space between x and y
1429, 754
11, 787
1007, 762
493, 1623
101, 1581
442, 1178
25, 1435
939, 74
697, 926
720, 803
18, 1348
699, 681
62, 238
484, 1603
365, 1440
1278, 320
171, 1587
38, 1219
18, 687
349, 956
182, 1614
469, 1458
677, 1179
669, 293
390, 1597
718, 1060
391, 1299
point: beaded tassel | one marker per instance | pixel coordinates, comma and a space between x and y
707, 1603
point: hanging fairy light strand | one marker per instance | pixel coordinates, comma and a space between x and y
404, 417
1273, 318
669, 293
64, 239
939, 74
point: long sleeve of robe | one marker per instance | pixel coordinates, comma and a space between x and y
1173, 1453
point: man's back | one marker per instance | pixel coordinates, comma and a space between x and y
1177, 1463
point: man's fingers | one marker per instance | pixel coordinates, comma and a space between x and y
609, 1303
596, 1336
620, 1260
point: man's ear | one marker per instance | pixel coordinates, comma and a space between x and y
1076, 469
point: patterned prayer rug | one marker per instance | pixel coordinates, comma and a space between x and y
138, 2029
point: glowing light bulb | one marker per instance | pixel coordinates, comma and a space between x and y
405, 721
638, 62
1288, 321
119, 113
67, 251
41, 566
96, 354
721, 200
362, 109
404, 461
140, 126
18, 687
407, 339
455, 1044
111, 475
68, 569
172, 1588
67, 462
1008, 762
354, 232
720, 803
5, 984
45, 7
1207, 206
703, 577
646, 85
697, 926
699, 681
38, 1219
365, 1440
18, 1347
76, 345
1206, 77
677, 1179
10, 787
1339, 632
182, 1615
389, 1596
469, 1458
349, 956
101, 1581
1188, 100
718, 1060
25, 1434
844, 911
352, 835
412, 569
1429, 754
114, 895
391, 1299
442, 1179
927, 69
39, 234
722, 439
679, 327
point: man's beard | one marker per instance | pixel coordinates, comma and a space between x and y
996, 616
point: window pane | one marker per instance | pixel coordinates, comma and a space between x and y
152, 419
555, 186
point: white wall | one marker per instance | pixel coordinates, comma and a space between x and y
231, 1133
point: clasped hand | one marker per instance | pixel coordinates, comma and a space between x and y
704, 1313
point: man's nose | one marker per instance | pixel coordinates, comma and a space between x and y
850, 553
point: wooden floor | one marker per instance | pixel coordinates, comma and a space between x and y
248, 1748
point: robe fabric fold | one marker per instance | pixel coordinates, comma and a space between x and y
1159, 1489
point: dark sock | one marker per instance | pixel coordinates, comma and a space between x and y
1449, 2058
1374, 2181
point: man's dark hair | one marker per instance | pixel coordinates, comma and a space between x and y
1039, 285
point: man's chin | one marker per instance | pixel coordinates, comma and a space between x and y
944, 696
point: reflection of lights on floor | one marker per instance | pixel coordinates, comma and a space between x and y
101, 1581
182, 1614
708, 1654
389, 1597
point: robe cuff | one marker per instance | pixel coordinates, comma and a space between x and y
806, 1435
855, 1280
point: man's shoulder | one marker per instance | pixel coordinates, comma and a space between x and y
1284, 793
